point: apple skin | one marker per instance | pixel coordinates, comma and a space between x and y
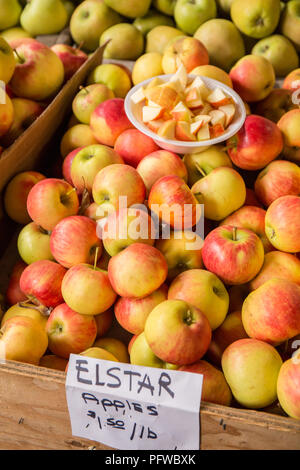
7, 61
6, 115
34, 244
271, 312
74, 240
115, 181
130, 344
67, 164
288, 387
125, 227
160, 163
34, 340
99, 353
235, 255
115, 347
109, 120
253, 78
147, 66
203, 290
230, 331
252, 218
83, 282
69, 332
275, 105
88, 162
256, 144
215, 388
114, 76
132, 313
251, 369
291, 80
289, 126
71, 57
87, 100
211, 71
279, 178
133, 146
183, 208
280, 265
28, 310
142, 355
13, 293
190, 51
39, 73
42, 281
177, 332
283, 224
50, 361
190, 15
50, 201
137, 271
78, 135
104, 322
16, 193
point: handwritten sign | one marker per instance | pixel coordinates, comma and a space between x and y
132, 407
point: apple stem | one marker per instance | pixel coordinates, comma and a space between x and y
80, 45
200, 169
96, 257
85, 201
21, 60
34, 304
234, 234
71, 191
83, 88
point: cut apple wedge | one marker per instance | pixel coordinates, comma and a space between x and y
229, 111
216, 130
180, 79
199, 84
163, 95
203, 133
198, 122
155, 82
182, 113
167, 130
154, 126
218, 98
183, 132
138, 96
194, 99
151, 113
217, 117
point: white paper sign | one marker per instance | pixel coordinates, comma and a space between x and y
132, 407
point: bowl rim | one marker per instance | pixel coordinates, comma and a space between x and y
179, 143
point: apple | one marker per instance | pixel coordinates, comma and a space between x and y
99, 353
137, 271
275, 105
41, 282
50, 361
16, 193
291, 81
115, 182
287, 386
188, 51
163, 95
25, 309
50, 17
283, 223
10, 13
34, 244
82, 282
203, 290
130, 344
15, 32
115, 347
159, 38
88, 98
279, 178
289, 125
6, 115
13, 293
125, 227
7, 61
104, 322
223, 42
165, 6
67, 165
259, 19
190, 15
136, 8
290, 23
142, 355
109, 120
177, 332
39, 73
256, 144
114, 77
215, 388
234, 254
230, 331
211, 71
94, 212
174, 203
79, 135
50, 201
133, 146
71, 57
147, 66
69, 332
280, 52
132, 313
34, 340
88, 162
252, 218
271, 312
251, 369
150, 20
253, 78
280, 265
74, 240
130, 48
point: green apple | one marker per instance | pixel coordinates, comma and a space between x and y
290, 24
223, 42
113, 76
280, 52
132, 9
69, 6
201, 164
224, 6
129, 48
7, 61
146, 23
34, 244
88, 98
257, 18
165, 6
142, 355
89, 21
190, 15
10, 13
47, 17
11, 34
159, 37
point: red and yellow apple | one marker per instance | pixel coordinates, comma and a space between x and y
282, 224
71, 57
279, 265
133, 146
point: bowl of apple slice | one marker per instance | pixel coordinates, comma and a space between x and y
185, 113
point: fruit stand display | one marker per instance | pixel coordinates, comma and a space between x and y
189, 106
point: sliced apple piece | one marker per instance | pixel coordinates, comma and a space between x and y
167, 130
151, 113
229, 111
193, 99
218, 98
203, 133
182, 113
183, 132
216, 130
163, 95
199, 84
138, 96
154, 126
198, 122
155, 82
217, 117
180, 79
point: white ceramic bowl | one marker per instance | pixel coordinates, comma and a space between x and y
134, 114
